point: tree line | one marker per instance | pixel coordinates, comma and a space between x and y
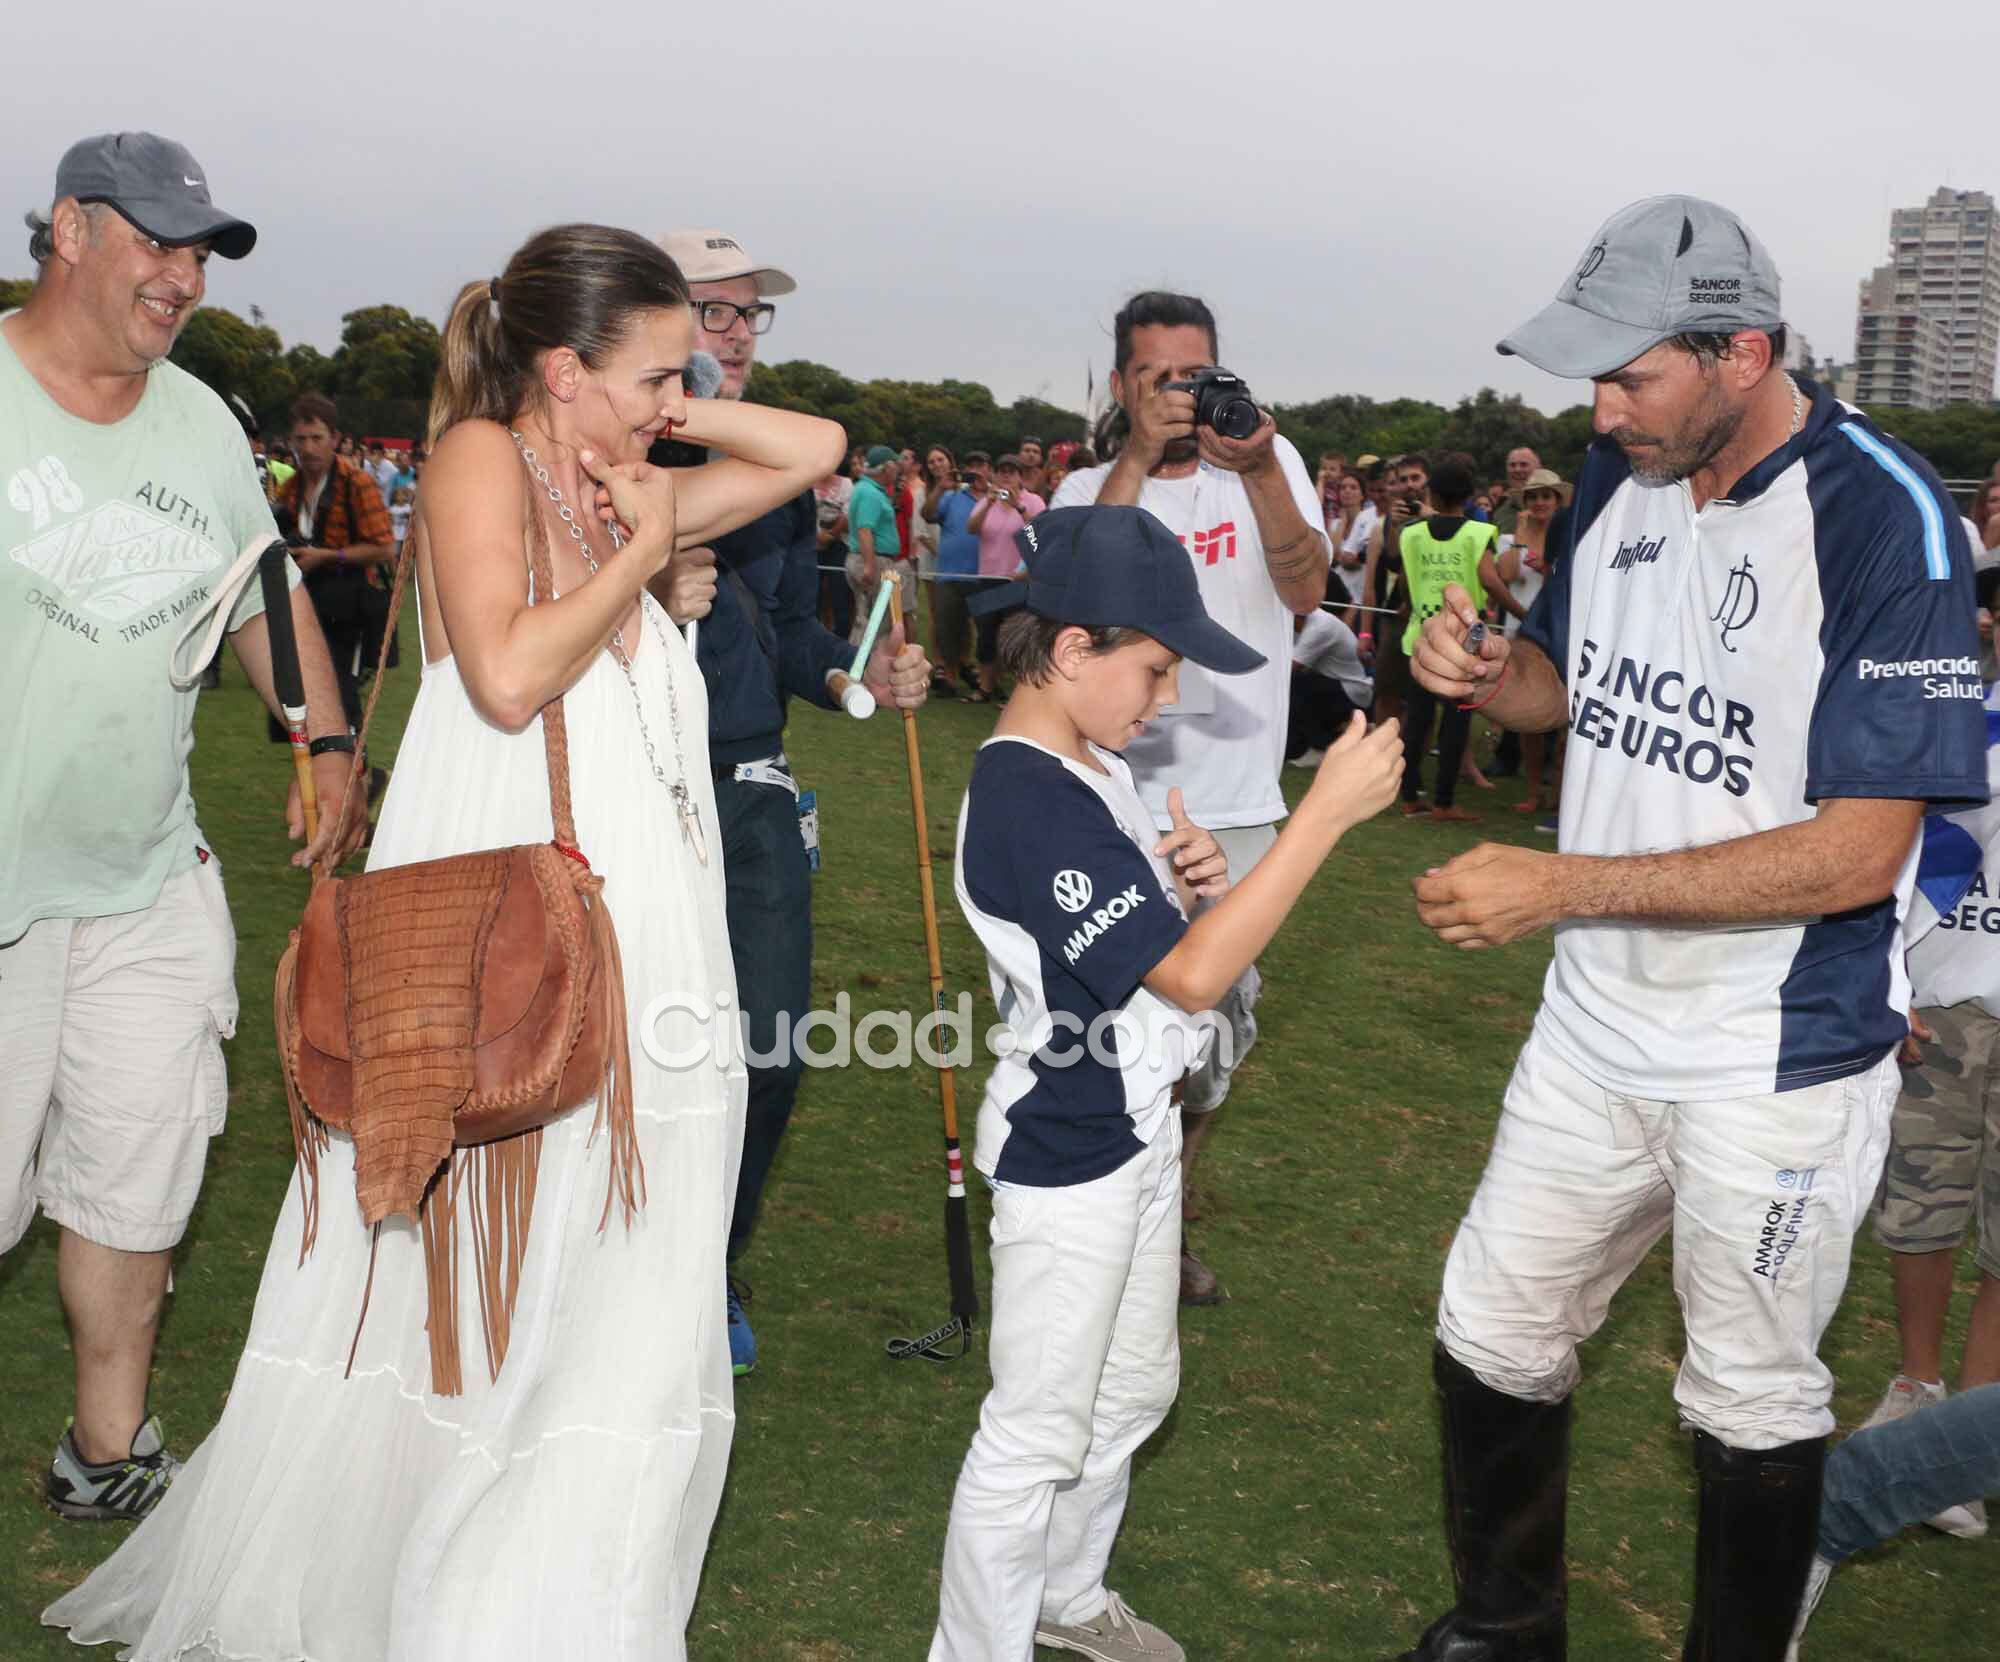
381, 374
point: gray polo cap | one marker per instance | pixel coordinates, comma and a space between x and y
1666, 266
156, 184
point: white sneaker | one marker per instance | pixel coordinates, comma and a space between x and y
1308, 759
1115, 1636
1816, 1579
1967, 1522
1904, 1397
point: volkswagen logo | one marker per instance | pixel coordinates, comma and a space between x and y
1072, 890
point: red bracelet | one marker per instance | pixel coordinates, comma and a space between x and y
1495, 693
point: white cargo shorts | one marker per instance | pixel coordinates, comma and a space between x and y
111, 1073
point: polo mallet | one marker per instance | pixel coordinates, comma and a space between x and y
957, 1224
286, 676
846, 685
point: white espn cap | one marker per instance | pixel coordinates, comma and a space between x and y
716, 256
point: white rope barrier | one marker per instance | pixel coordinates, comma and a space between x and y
974, 577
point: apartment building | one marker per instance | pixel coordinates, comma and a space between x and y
1928, 327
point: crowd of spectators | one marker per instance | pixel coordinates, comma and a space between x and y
954, 520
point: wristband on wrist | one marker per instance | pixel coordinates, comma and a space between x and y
343, 742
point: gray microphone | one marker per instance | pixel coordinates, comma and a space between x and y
703, 376
703, 379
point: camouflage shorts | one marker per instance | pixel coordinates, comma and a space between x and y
1944, 1148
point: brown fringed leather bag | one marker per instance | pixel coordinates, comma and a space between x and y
441, 1014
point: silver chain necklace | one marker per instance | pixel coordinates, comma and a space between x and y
1798, 408
677, 788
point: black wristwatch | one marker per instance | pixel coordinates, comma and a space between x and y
343, 742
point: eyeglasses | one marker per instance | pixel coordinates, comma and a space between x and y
718, 317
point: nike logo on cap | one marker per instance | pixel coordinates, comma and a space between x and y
192, 184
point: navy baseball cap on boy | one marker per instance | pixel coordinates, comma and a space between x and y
1118, 568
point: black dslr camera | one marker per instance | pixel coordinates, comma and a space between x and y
1221, 401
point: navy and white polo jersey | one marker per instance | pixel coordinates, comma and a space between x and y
1810, 637
1953, 930
1057, 877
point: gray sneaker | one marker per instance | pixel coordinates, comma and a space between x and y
1816, 1579
1115, 1636
1904, 1397
118, 1490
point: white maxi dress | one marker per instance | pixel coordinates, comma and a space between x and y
562, 1511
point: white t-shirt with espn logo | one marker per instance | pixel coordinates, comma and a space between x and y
1728, 670
1224, 742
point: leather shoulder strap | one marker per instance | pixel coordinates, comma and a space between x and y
555, 727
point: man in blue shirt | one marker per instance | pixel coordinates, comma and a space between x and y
760, 646
957, 565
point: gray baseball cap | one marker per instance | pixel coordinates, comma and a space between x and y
1666, 266
157, 185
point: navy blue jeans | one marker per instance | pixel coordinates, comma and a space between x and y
770, 937
1879, 1481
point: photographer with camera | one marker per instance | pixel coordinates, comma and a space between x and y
332, 514
1194, 450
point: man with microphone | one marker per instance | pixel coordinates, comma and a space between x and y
760, 644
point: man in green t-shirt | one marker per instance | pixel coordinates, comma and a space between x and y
129, 492
1442, 549
871, 533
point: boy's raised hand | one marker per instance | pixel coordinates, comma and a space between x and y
1359, 776
1198, 859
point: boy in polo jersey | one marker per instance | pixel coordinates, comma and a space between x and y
1759, 632
1082, 907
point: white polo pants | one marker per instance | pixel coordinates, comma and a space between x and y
1085, 1349
1763, 1194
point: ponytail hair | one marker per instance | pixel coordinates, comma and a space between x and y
572, 285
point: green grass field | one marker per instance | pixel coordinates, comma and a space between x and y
1289, 1507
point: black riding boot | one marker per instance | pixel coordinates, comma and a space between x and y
1759, 1519
1506, 1483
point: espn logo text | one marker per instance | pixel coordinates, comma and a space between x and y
1216, 543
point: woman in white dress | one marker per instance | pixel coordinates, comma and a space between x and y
561, 1509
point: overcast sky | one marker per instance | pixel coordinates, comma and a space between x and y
1368, 196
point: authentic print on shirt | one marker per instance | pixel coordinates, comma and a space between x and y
126, 564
